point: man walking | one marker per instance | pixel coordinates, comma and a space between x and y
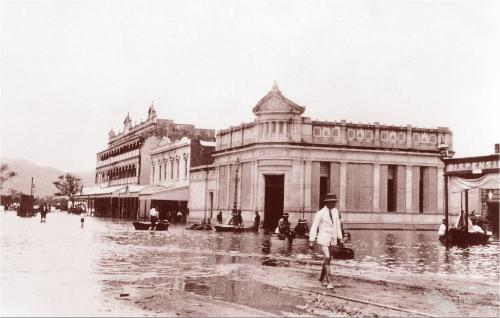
326, 231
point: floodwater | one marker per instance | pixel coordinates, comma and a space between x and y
60, 268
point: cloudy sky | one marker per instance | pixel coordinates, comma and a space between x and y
71, 70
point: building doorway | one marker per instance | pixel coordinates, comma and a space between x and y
273, 200
323, 190
492, 215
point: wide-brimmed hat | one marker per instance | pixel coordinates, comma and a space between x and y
330, 197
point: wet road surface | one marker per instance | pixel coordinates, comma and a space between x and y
60, 268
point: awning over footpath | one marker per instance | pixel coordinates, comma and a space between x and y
159, 192
97, 191
488, 181
144, 192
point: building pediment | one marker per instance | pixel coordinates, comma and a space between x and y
275, 103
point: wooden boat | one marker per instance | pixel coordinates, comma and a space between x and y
144, 226
232, 228
462, 237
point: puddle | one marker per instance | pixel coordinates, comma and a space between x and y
244, 292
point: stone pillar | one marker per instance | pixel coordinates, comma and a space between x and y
343, 186
409, 189
440, 190
376, 187
307, 185
217, 188
297, 181
254, 183
315, 175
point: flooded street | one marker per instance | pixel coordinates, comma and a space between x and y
61, 268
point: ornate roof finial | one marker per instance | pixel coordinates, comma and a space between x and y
151, 112
127, 119
275, 87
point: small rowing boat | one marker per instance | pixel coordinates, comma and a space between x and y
144, 226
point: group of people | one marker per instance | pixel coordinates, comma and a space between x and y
237, 219
154, 217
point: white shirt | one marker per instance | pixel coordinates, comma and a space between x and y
323, 229
442, 229
153, 212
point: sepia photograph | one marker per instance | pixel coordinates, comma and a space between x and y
249, 158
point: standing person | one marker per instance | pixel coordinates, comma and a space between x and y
43, 213
256, 221
284, 228
153, 218
326, 230
82, 218
219, 217
178, 217
239, 218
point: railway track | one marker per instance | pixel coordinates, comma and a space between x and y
361, 301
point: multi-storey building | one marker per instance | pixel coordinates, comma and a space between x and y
384, 176
171, 162
123, 170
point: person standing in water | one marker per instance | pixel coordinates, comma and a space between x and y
326, 230
82, 218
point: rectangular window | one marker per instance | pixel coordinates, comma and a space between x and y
176, 169
153, 178
273, 127
326, 132
416, 137
317, 132
165, 172
383, 136
392, 136
185, 167
401, 136
335, 132
369, 135
350, 134
280, 130
360, 134
392, 188
171, 169
159, 172
433, 139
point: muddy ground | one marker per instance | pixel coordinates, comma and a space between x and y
282, 288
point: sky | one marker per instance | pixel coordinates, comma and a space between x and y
72, 70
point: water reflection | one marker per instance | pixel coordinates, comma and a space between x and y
36, 256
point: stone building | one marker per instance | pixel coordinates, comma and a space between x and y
124, 168
384, 176
171, 162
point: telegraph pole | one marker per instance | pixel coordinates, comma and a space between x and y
32, 188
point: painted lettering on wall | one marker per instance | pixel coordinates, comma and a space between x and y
470, 166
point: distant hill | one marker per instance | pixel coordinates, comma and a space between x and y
42, 177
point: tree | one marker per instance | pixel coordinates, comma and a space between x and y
68, 185
5, 173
